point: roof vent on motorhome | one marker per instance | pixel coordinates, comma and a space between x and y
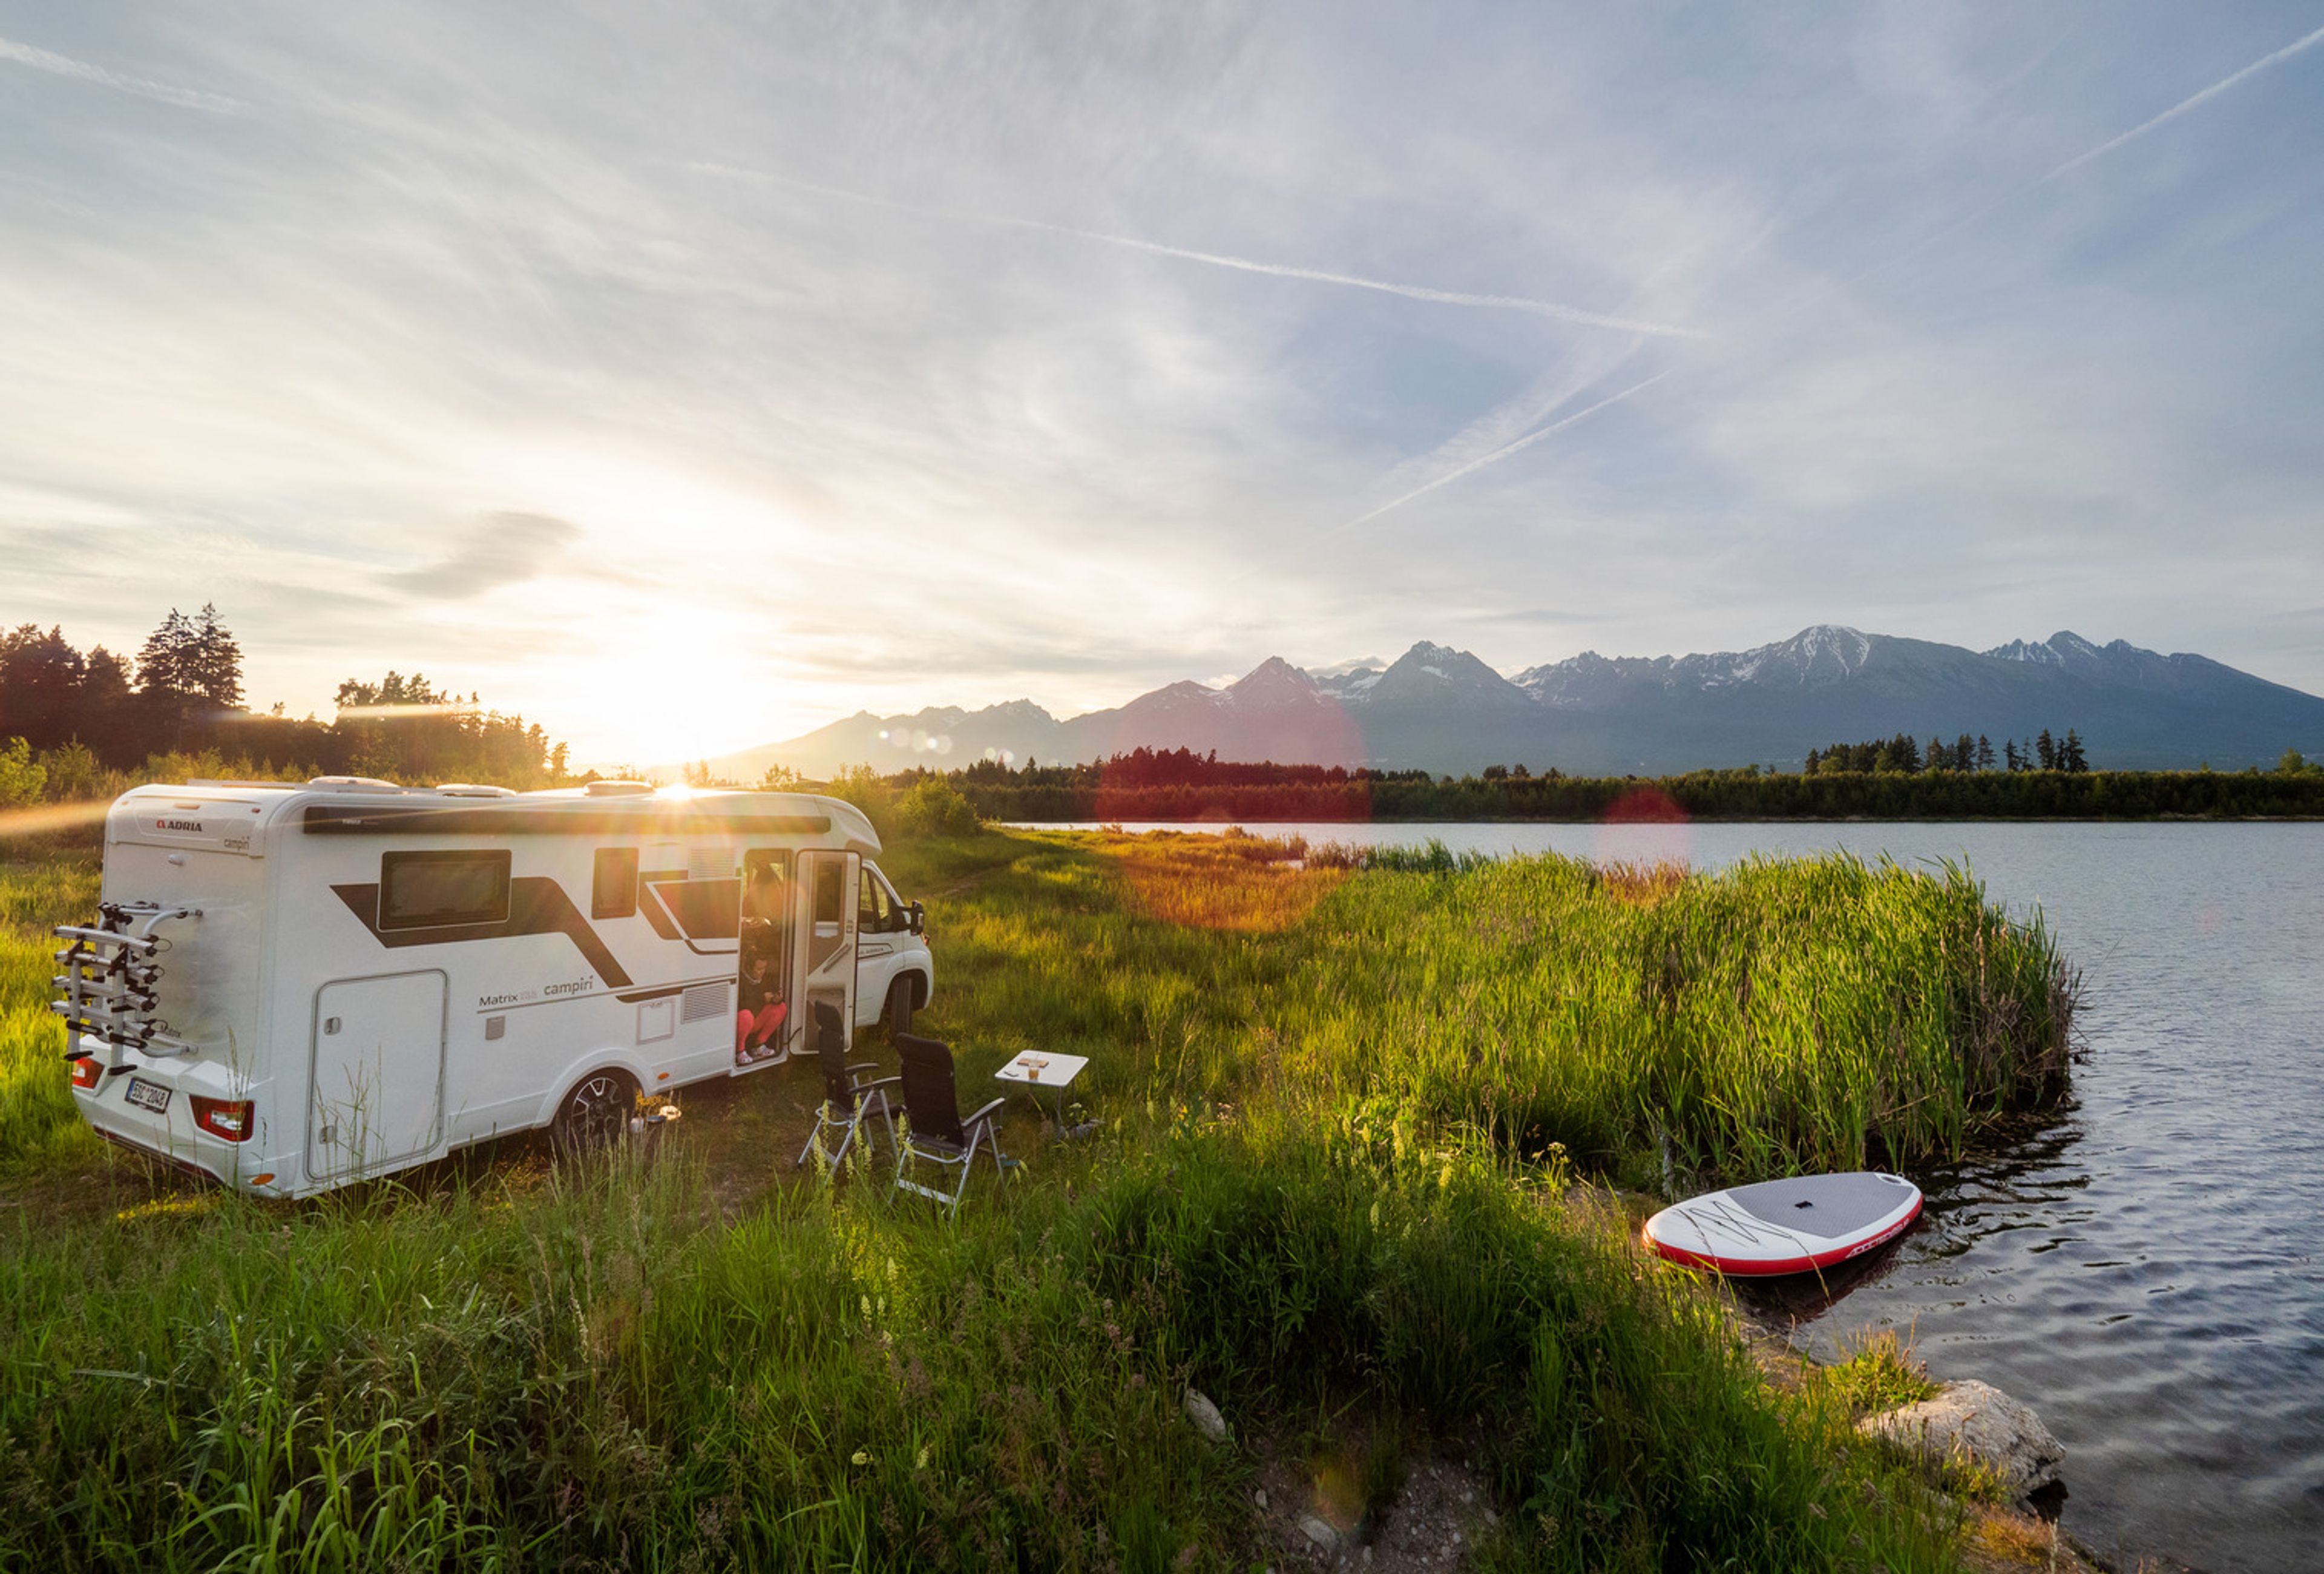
472, 790
617, 789
360, 784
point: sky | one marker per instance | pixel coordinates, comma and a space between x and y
686, 377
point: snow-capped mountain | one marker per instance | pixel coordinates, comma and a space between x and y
1439, 708
1826, 653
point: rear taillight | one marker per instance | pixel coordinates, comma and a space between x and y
87, 1072
224, 1117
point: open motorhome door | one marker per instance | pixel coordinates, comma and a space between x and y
826, 935
767, 1022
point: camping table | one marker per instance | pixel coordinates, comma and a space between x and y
1042, 1069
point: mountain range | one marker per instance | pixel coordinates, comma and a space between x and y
1442, 709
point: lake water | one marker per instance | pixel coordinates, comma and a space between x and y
2142, 1268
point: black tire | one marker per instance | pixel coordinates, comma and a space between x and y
902, 995
595, 1114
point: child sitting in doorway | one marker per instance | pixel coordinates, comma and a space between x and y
762, 1011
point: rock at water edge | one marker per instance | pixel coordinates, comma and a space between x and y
1976, 1423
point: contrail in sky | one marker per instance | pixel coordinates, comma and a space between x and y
1499, 454
1549, 308
1308, 543
2104, 148
57, 65
2184, 104
1552, 310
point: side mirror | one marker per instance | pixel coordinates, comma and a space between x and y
919, 919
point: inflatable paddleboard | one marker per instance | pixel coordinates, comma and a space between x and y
1787, 1226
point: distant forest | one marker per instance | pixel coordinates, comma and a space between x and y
1180, 785
77, 724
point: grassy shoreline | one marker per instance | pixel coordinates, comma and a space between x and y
1344, 1109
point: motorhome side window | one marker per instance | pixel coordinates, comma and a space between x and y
829, 893
437, 890
874, 915
614, 892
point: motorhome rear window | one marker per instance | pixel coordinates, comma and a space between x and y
435, 890
614, 892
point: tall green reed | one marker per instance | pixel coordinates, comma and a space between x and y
1776, 1015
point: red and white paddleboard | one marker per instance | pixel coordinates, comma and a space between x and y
1787, 1226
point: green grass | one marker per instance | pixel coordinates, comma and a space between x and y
598, 1374
1324, 1186
38, 1123
1879, 1372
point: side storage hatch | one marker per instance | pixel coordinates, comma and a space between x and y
376, 1095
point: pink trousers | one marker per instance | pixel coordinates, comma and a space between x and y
753, 1030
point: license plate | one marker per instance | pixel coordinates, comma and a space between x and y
147, 1095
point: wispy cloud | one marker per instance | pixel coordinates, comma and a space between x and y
1558, 312
2186, 104
57, 65
510, 549
1529, 617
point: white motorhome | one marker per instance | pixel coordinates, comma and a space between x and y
290, 987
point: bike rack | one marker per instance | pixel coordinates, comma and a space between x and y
106, 992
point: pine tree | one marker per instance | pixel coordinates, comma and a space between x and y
163, 660
2046, 748
2070, 752
1814, 760
1936, 758
1985, 752
213, 664
1964, 752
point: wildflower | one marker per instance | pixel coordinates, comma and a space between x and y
862, 1456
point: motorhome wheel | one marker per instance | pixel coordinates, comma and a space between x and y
900, 1004
595, 1113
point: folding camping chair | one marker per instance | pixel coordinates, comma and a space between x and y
846, 1098
934, 1128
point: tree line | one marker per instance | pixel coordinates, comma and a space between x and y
76, 724
1904, 755
1178, 785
